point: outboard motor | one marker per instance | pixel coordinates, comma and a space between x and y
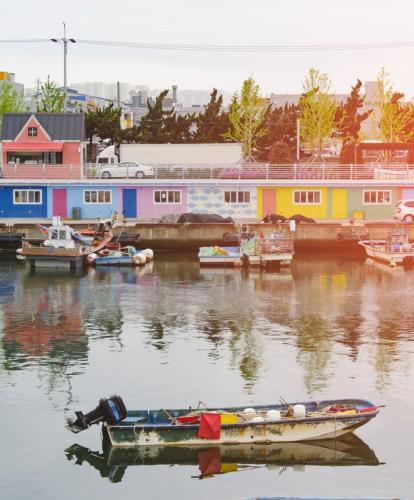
111, 410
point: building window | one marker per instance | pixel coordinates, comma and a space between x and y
307, 197
27, 196
237, 196
32, 131
167, 197
101, 196
377, 197
35, 158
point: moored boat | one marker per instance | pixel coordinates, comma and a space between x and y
63, 246
219, 256
233, 425
120, 256
395, 250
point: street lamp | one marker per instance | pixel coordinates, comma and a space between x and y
65, 52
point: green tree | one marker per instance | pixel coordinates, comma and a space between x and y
51, 99
11, 101
348, 123
177, 128
281, 126
394, 118
246, 115
152, 129
213, 123
317, 112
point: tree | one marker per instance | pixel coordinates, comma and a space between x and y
348, 123
51, 98
317, 112
105, 123
11, 101
152, 127
281, 125
212, 125
177, 128
395, 119
280, 153
246, 116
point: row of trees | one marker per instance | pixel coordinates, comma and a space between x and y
265, 132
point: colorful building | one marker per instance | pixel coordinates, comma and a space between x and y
42, 145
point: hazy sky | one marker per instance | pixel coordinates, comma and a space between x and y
209, 22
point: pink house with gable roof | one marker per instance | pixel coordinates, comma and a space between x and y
42, 145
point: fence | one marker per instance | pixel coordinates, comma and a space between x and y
328, 171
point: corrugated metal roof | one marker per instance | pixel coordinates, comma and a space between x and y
60, 126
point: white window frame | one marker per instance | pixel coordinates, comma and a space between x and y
27, 202
307, 202
167, 202
237, 202
97, 191
376, 202
29, 129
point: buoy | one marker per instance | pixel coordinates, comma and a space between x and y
139, 259
91, 258
392, 263
149, 254
299, 411
249, 411
273, 415
255, 420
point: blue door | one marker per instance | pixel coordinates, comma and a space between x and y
129, 203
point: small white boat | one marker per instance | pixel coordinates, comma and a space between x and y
219, 256
395, 250
267, 251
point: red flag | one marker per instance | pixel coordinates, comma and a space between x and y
210, 426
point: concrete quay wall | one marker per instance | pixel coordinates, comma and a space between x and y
318, 237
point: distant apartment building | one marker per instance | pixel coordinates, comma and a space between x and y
9, 78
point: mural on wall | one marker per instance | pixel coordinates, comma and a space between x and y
212, 200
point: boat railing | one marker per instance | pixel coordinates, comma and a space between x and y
273, 245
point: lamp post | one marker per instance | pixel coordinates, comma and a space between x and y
65, 52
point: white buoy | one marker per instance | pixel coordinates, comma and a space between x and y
273, 415
249, 411
149, 254
255, 420
91, 258
299, 411
139, 259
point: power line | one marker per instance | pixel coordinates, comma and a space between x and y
233, 48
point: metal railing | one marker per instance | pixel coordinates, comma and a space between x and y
259, 171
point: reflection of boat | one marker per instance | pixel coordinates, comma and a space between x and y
64, 247
112, 462
396, 249
236, 425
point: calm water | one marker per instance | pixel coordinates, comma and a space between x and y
173, 334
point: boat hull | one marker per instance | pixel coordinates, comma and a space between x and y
382, 255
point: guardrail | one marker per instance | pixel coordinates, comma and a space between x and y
259, 171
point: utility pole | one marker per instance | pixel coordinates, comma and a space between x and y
65, 42
298, 137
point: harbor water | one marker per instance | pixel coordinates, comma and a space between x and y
172, 335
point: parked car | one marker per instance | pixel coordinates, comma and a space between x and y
405, 211
126, 169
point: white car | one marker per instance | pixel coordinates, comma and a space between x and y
126, 169
405, 211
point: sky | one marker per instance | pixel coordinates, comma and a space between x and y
214, 22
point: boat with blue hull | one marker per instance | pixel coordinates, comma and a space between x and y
273, 423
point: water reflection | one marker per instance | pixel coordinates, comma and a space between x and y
112, 463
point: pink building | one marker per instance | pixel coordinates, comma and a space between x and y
42, 145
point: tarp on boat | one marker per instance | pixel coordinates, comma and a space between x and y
204, 219
210, 426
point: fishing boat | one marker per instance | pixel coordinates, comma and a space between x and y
63, 246
267, 251
273, 423
395, 250
219, 256
113, 462
115, 255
